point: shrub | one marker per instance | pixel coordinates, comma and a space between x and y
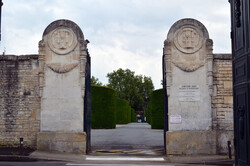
149, 112
133, 115
122, 108
157, 109
129, 114
102, 107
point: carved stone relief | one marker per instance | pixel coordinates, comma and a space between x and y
188, 40
59, 68
189, 48
62, 41
62, 50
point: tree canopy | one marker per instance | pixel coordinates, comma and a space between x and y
134, 88
95, 81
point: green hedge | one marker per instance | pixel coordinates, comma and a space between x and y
102, 107
157, 109
122, 109
149, 112
129, 114
133, 115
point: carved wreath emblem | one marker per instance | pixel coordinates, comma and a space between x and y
59, 68
188, 40
62, 41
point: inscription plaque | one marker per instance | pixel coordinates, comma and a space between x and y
189, 93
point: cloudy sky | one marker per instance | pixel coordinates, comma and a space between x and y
122, 33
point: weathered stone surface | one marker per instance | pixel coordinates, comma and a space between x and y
62, 62
62, 142
208, 103
222, 99
191, 142
223, 136
19, 100
189, 64
22, 81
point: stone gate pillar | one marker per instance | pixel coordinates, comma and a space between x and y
189, 64
62, 59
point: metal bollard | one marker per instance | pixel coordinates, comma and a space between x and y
229, 149
21, 146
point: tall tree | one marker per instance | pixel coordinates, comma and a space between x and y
134, 88
95, 81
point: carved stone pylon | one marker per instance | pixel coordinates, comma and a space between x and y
62, 59
188, 54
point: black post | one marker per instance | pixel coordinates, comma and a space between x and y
21, 146
165, 102
1, 3
229, 149
87, 104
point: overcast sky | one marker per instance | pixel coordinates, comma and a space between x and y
122, 33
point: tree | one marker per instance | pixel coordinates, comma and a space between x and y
134, 88
95, 81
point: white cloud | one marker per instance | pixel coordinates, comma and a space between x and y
122, 34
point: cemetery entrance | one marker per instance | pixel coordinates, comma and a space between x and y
197, 92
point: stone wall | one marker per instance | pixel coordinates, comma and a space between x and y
199, 89
19, 100
222, 100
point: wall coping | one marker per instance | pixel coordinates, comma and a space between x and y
223, 56
18, 57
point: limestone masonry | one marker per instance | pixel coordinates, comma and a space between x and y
199, 90
19, 100
42, 96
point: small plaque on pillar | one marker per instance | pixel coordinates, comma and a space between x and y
175, 119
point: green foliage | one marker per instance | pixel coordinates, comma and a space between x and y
148, 112
133, 115
122, 108
157, 109
95, 81
129, 114
102, 107
134, 88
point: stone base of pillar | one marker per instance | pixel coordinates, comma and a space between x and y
190, 142
62, 142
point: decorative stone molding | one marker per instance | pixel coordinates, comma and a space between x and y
188, 39
62, 61
188, 58
59, 68
209, 59
62, 38
62, 41
168, 64
188, 66
83, 61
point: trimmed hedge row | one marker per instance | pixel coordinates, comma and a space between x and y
103, 110
157, 109
107, 110
148, 112
133, 115
122, 111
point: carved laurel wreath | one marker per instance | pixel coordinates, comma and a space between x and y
189, 67
59, 68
